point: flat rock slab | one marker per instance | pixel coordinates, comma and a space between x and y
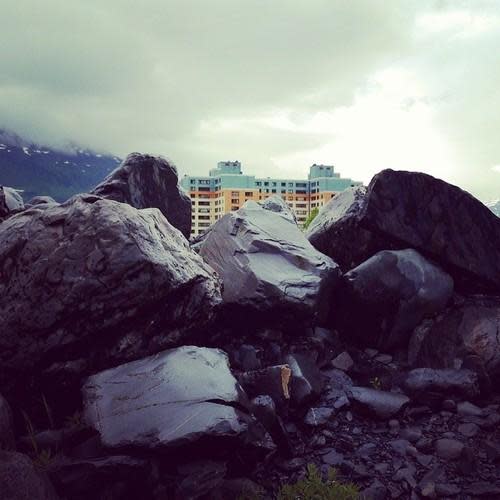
172, 398
382, 404
10, 202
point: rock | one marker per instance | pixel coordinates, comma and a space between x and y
336, 227
277, 205
317, 417
447, 490
247, 358
425, 383
408, 209
11, 202
367, 449
411, 434
400, 446
91, 283
270, 271
41, 200
145, 181
492, 450
273, 381
384, 298
193, 386
307, 381
467, 328
338, 379
427, 485
21, 480
376, 491
343, 362
333, 458
202, 478
236, 489
264, 410
382, 404
7, 441
449, 449
483, 488
468, 429
469, 409
93, 478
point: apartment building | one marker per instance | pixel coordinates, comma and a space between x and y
227, 188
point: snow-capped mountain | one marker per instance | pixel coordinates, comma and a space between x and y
494, 206
41, 170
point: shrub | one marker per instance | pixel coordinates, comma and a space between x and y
313, 487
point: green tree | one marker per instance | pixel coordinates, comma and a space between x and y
311, 217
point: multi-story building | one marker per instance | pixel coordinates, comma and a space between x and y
227, 188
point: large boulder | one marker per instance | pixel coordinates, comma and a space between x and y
269, 269
465, 333
173, 399
21, 480
10, 202
407, 209
386, 297
145, 181
91, 283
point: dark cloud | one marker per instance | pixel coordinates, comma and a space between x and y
275, 84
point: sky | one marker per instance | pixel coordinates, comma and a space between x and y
277, 84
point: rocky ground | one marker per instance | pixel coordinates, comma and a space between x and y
135, 364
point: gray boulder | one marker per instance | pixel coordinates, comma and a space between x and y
6, 430
92, 283
10, 202
466, 331
268, 267
41, 200
407, 209
21, 480
145, 181
336, 232
381, 404
424, 382
386, 297
168, 400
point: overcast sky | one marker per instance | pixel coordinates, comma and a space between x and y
277, 84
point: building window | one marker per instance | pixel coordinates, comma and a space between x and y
235, 201
273, 190
247, 193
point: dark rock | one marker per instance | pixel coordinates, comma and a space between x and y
386, 297
400, 446
145, 181
247, 358
483, 489
407, 209
89, 284
367, 449
21, 480
264, 410
376, 491
447, 490
317, 417
337, 379
467, 462
468, 409
202, 478
42, 200
382, 404
425, 384
343, 362
468, 429
236, 489
411, 434
92, 478
449, 449
333, 458
273, 381
307, 381
492, 450
269, 269
192, 385
11, 202
6, 430
427, 485
335, 229
468, 327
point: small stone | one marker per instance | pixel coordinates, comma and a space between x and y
366, 450
382, 468
318, 441
449, 405
382, 404
376, 491
469, 409
449, 449
399, 446
492, 450
447, 490
371, 353
341, 402
411, 434
483, 488
333, 458
468, 430
449, 435
292, 465
406, 474
383, 358
317, 417
424, 460
424, 444
343, 362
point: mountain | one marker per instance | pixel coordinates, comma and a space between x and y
41, 170
494, 206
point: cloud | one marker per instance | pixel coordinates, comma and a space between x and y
278, 85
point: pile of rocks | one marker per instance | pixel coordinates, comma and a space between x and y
138, 366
